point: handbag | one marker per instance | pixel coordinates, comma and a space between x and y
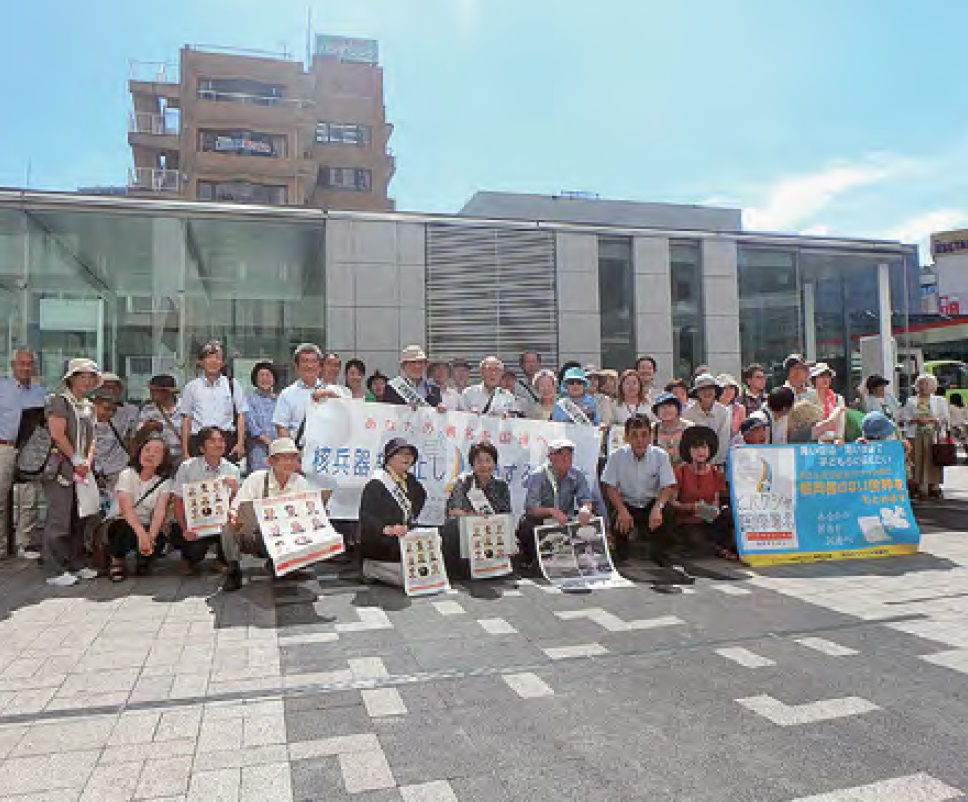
37, 461
944, 451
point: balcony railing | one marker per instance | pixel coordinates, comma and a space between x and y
153, 179
145, 122
158, 72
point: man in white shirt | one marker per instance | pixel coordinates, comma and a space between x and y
707, 411
209, 466
281, 478
19, 393
488, 397
639, 485
289, 417
213, 399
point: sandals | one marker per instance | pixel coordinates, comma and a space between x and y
727, 554
116, 573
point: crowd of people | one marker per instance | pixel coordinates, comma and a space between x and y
665, 486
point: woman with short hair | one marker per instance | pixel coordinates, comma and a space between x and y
925, 416
479, 491
140, 508
259, 428
667, 433
389, 507
546, 386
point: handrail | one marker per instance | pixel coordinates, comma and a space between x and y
146, 122
158, 72
154, 179
259, 100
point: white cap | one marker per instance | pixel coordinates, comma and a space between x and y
559, 444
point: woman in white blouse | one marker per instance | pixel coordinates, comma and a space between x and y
631, 399
140, 509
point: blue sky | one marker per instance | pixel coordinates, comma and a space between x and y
819, 116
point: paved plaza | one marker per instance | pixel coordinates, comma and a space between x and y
833, 682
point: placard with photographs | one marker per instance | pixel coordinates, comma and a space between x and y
424, 572
616, 438
206, 507
488, 541
574, 556
297, 531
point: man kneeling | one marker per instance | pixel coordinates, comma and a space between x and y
281, 478
639, 484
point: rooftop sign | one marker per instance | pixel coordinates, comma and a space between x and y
347, 49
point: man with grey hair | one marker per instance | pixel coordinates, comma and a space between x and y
488, 397
18, 395
289, 417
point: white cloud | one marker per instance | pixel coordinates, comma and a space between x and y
917, 230
795, 200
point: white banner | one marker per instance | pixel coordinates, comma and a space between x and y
296, 531
422, 562
345, 439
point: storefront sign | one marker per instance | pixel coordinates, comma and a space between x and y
236, 144
344, 446
946, 243
348, 49
814, 502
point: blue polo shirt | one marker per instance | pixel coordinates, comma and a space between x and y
14, 399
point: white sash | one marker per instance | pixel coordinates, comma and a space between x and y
403, 501
553, 481
405, 389
573, 411
477, 499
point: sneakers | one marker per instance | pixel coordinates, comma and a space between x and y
87, 573
65, 580
28, 553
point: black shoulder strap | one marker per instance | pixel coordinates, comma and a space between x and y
300, 432
118, 438
265, 485
490, 401
150, 490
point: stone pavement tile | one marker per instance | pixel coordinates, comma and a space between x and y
381, 702
321, 779
179, 723
237, 758
101, 702
10, 736
327, 722
336, 745
423, 746
165, 777
189, 686
264, 730
220, 785
272, 781
31, 701
181, 747
115, 782
219, 735
366, 771
101, 681
473, 653
66, 736
39, 773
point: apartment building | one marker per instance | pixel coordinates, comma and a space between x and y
248, 127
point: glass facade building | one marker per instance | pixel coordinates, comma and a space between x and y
139, 284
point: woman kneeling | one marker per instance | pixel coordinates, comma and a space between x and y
390, 505
140, 509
